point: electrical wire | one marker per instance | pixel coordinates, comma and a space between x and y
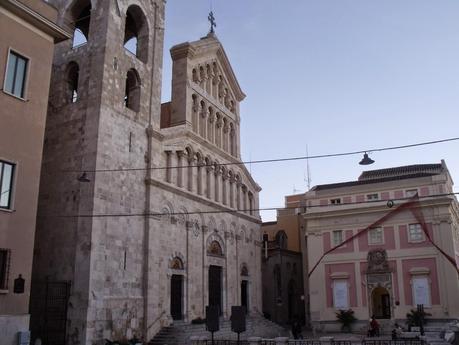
159, 214
273, 160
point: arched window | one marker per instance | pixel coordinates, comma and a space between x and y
73, 73
79, 20
132, 91
244, 271
136, 33
215, 249
176, 264
281, 239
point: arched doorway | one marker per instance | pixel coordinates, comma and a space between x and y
380, 302
176, 288
215, 287
176, 296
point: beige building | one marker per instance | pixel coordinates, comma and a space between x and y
123, 252
28, 33
384, 263
284, 293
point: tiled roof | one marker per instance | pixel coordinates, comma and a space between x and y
369, 181
433, 169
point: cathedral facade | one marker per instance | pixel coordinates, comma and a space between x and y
146, 212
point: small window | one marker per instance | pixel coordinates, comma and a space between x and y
6, 184
335, 201
132, 90
16, 74
281, 238
4, 266
415, 233
73, 73
375, 236
411, 192
337, 237
373, 196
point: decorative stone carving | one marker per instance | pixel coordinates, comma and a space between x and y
377, 261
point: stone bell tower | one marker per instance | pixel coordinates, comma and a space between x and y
104, 114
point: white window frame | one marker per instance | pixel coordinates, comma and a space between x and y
372, 196
370, 241
26, 76
333, 242
345, 283
335, 201
425, 278
12, 184
411, 192
410, 239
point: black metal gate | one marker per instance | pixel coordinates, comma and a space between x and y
49, 311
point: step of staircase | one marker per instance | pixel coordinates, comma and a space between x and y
180, 332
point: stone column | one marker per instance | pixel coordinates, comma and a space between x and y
209, 181
225, 137
200, 177
238, 195
168, 174
192, 175
194, 114
217, 183
173, 165
179, 169
244, 198
218, 132
231, 193
224, 188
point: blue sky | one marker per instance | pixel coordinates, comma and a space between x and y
335, 76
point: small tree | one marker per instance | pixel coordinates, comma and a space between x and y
346, 318
415, 318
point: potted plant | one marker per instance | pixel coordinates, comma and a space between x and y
346, 318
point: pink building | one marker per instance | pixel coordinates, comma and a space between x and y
387, 264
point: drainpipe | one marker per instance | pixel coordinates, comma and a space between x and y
148, 177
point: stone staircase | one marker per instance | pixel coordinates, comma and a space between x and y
434, 334
180, 332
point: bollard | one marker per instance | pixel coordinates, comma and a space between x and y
281, 340
254, 340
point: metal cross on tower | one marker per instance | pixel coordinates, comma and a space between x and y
213, 24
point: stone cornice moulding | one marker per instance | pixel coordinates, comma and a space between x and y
36, 19
349, 211
197, 198
339, 275
417, 271
182, 50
